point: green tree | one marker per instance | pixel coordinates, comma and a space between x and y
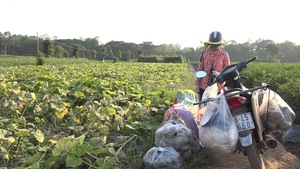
147, 48
60, 52
128, 54
133, 56
7, 34
291, 53
66, 53
239, 52
91, 43
162, 49
140, 53
259, 48
48, 48
76, 50
274, 52
119, 55
187, 53
94, 54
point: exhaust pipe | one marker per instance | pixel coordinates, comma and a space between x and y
270, 141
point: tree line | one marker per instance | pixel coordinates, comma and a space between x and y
92, 48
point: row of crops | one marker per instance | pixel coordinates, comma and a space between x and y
89, 115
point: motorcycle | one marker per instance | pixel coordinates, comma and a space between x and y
245, 109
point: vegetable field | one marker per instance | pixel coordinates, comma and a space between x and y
90, 115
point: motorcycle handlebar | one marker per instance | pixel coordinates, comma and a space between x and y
239, 67
254, 58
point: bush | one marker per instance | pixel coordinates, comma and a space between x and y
173, 60
2, 52
147, 59
115, 60
40, 58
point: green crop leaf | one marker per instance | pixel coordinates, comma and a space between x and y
28, 161
148, 102
50, 162
103, 163
111, 111
78, 140
130, 127
100, 151
111, 150
110, 92
61, 146
78, 128
10, 139
73, 161
4, 133
57, 107
44, 149
79, 95
22, 132
83, 149
39, 135
98, 141
71, 145
3, 154
30, 96
104, 111
35, 165
61, 114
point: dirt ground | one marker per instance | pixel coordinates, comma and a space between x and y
284, 156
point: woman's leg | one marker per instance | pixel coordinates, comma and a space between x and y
201, 91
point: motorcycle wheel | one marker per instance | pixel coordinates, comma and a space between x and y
255, 158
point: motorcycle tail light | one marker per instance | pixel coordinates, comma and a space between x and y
175, 101
236, 102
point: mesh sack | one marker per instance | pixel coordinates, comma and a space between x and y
162, 158
175, 134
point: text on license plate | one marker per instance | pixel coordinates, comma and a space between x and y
244, 121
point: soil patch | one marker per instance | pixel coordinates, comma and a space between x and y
284, 156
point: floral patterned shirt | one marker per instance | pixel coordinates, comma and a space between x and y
220, 59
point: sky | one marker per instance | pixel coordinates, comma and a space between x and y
184, 22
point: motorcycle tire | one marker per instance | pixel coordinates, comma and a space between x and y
255, 158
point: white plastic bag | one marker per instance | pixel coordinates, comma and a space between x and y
209, 92
162, 158
217, 129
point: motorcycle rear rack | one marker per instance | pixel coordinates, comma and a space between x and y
230, 94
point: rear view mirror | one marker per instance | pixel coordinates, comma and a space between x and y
200, 74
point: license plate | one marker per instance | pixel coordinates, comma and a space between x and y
244, 121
